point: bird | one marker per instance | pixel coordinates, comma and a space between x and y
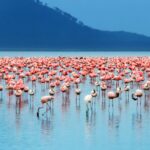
126, 88
26, 89
45, 100
51, 92
93, 93
64, 88
97, 84
146, 87
88, 101
134, 97
78, 91
138, 94
18, 94
31, 92
103, 89
112, 95
1, 89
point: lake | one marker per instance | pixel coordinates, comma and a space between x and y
67, 127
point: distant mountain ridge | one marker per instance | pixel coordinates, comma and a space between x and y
29, 23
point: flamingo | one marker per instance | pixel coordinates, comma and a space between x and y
138, 94
78, 91
1, 89
103, 89
64, 89
88, 101
127, 88
112, 95
52, 92
18, 94
31, 92
146, 88
26, 89
67, 72
97, 84
45, 100
93, 93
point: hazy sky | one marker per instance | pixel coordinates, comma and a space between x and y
128, 15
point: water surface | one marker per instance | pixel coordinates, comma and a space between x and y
124, 126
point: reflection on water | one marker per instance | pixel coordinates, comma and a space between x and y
137, 119
90, 122
46, 126
113, 122
18, 121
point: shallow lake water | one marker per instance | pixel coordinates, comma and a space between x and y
72, 53
67, 127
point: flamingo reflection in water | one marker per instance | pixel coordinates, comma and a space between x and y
137, 118
90, 121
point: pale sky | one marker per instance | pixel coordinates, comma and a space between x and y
114, 15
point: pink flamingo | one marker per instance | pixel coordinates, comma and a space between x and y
45, 100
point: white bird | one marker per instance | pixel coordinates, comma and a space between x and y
146, 87
51, 92
88, 101
31, 92
118, 90
97, 83
93, 93
127, 88
77, 91
112, 95
138, 94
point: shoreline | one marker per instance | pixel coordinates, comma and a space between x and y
76, 49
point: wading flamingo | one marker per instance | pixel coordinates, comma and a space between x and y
45, 100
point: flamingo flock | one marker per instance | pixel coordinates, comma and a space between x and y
107, 77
